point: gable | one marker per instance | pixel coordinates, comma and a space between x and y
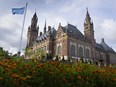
60, 31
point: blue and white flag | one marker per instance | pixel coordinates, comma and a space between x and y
18, 10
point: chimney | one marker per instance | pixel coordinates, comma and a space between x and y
40, 33
102, 39
49, 28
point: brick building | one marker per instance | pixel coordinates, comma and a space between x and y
69, 41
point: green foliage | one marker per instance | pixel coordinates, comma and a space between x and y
18, 72
3, 53
70, 59
38, 54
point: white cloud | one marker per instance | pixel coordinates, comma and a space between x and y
49, 1
105, 28
109, 30
8, 21
11, 26
68, 7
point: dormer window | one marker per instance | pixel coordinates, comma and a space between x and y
71, 31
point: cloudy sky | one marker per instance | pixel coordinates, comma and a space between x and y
102, 12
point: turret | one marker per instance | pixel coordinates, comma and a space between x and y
89, 33
32, 31
34, 21
88, 28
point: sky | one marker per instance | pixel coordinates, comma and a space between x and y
102, 12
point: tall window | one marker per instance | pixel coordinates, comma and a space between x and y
101, 56
44, 48
87, 53
80, 52
59, 50
72, 50
32, 39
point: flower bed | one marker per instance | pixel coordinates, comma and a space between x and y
27, 73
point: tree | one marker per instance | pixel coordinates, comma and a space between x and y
3, 53
39, 54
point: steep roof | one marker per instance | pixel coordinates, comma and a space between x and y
45, 35
104, 47
99, 47
73, 29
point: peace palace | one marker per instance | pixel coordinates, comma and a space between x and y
67, 41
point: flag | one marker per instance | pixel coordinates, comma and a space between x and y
18, 10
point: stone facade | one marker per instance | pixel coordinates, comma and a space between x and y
68, 41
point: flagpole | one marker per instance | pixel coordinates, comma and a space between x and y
18, 54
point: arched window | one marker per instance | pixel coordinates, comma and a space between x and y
80, 52
59, 50
72, 50
101, 56
87, 53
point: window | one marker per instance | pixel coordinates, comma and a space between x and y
72, 50
59, 50
44, 48
32, 39
80, 52
87, 53
101, 56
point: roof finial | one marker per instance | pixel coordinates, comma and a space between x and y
87, 8
87, 12
102, 39
59, 24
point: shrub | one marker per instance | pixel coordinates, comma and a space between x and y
27, 73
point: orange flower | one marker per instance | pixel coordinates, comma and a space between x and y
65, 80
79, 77
28, 77
78, 70
51, 72
114, 79
25, 78
27, 65
40, 65
15, 76
1, 78
1, 63
87, 78
14, 64
7, 69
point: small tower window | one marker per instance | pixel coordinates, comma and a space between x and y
59, 50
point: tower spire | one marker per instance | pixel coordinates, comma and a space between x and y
45, 27
34, 21
35, 15
87, 15
32, 30
88, 18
